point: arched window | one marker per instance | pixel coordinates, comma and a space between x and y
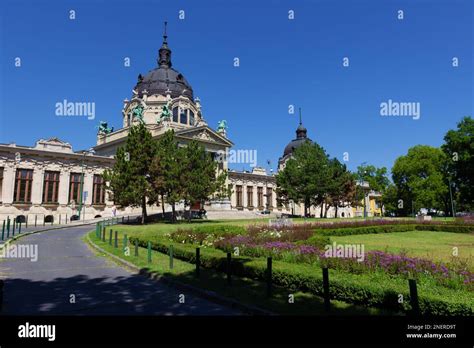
175, 114
191, 118
183, 116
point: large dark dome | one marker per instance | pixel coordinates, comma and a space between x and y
164, 77
301, 137
159, 80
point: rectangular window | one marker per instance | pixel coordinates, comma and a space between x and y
260, 197
23, 184
269, 197
250, 196
1, 182
175, 114
75, 187
50, 187
183, 116
239, 195
98, 194
191, 118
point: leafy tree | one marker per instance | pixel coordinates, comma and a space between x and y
419, 177
376, 178
167, 171
341, 186
305, 178
459, 149
198, 177
129, 180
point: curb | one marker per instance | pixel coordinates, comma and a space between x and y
20, 235
206, 294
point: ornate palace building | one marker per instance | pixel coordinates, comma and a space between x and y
46, 180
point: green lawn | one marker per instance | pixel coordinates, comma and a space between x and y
423, 244
165, 227
244, 290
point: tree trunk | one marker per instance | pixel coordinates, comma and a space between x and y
163, 205
173, 215
335, 208
143, 210
326, 208
321, 210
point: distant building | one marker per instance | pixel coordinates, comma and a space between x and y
52, 182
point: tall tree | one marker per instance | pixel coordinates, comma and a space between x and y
129, 180
306, 176
376, 178
167, 171
419, 177
459, 149
341, 186
198, 177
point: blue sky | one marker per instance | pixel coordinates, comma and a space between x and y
282, 62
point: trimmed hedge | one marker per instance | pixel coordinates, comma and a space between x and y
394, 228
373, 289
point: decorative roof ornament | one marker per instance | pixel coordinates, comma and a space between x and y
222, 128
164, 54
165, 113
104, 129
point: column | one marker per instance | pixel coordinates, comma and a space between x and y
37, 186
63, 194
8, 184
88, 186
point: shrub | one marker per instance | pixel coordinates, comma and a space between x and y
317, 240
395, 228
370, 289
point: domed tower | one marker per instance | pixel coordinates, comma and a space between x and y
163, 97
301, 137
162, 100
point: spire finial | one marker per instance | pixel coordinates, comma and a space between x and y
165, 37
300, 116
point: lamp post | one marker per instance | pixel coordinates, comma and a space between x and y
451, 196
81, 198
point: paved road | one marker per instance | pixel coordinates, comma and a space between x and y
67, 266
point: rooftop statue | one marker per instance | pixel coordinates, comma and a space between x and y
165, 113
137, 113
103, 129
222, 126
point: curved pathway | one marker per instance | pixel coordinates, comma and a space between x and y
67, 268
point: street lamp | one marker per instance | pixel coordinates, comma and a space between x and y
81, 198
451, 195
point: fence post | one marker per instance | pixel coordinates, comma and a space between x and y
59, 219
415, 306
103, 235
14, 223
36, 219
198, 261
66, 219
171, 256
1, 294
269, 276
136, 247
327, 303
123, 219
8, 227
116, 239
110, 237
26, 221
229, 268
149, 251
19, 228
124, 242
44, 220
3, 230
